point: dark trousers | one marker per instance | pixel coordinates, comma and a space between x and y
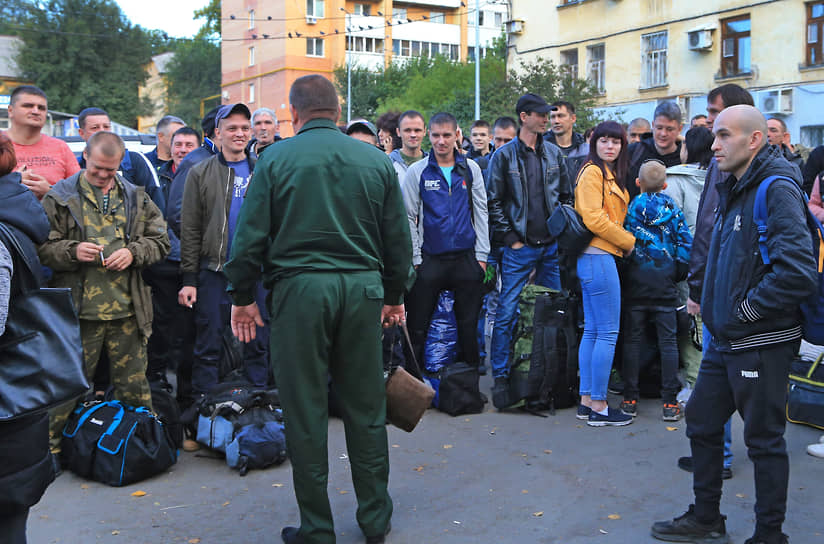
13, 525
212, 314
755, 384
328, 324
666, 327
461, 274
168, 347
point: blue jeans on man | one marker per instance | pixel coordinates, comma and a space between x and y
516, 266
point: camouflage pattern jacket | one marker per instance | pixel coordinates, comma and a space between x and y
146, 239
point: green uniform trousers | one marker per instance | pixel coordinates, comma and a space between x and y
326, 324
126, 348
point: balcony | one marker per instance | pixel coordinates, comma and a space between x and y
435, 3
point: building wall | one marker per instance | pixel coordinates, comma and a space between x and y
154, 89
778, 37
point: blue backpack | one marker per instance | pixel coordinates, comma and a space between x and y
812, 312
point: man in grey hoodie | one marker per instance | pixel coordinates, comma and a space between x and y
411, 129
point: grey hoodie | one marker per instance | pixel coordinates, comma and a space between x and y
684, 184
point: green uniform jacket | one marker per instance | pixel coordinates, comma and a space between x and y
146, 239
321, 201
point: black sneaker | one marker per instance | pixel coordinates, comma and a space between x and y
629, 407
685, 463
291, 535
500, 392
613, 418
687, 528
780, 538
672, 412
583, 412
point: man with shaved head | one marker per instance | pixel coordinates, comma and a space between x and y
752, 310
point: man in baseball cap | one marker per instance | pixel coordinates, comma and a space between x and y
362, 130
532, 103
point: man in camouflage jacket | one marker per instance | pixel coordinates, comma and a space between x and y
104, 231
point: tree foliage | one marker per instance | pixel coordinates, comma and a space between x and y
211, 27
430, 85
85, 53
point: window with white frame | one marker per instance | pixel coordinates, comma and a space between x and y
654, 59
398, 14
499, 19
368, 45
596, 68
437, 17
315, 8
362, 9
252, 56
251, 18
251, 93
314, 47
569, 62
408, 48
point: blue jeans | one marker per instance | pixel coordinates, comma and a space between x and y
516, 265
601, 290
487, 319
705, 344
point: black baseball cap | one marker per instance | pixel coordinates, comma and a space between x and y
208, 122
532, 103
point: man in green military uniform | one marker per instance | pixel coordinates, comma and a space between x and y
104, 231
325, 219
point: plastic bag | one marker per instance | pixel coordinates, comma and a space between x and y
442, 339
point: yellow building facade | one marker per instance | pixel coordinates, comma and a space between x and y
267, 44
640, 52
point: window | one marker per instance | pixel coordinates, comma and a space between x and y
407, 48
735, 46
363, 9
499, 19
812, 136
569, 62
398, 14
251, 93
314, 8
314, 47
815, 29
470, 53
596, 69
654, 59
436, 17
251, 56
454, 52
251, 18
480, 18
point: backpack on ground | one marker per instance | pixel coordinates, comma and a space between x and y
116, 444
812, 322
164, 404
244, 423
543, 373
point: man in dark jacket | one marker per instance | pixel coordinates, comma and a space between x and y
527, 179
212, 199
165, 128
573, 145
752, 311
662, 145
813, 167
325, 222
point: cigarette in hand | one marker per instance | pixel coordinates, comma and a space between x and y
102, 258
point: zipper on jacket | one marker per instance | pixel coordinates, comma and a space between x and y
220, 256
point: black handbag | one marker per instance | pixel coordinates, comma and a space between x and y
41, 355
567, 227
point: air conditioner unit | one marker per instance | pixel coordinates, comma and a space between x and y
515, 26
700, 40
311, 20
779, 101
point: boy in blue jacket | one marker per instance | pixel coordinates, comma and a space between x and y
660, 260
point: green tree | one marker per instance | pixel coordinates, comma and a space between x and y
211, 27
192, 75
85, 53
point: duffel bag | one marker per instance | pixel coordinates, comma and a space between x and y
256, 446
458, 391
116, 444
165, 406
805, 393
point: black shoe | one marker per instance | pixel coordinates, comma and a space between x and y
379, 539
687, 528
56, 468
685, 463
291, 535
500, 392
614, 418
780, 538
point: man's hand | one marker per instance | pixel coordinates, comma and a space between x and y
693, 308
187, 296
88, 252
245, 320
482, 265
629, 251
517, 245
392, 315
35, 182
119, 260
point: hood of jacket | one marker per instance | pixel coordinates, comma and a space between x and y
656, 209
577, 138
21, 209
770, 161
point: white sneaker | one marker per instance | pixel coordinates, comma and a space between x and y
816, 450
821, 439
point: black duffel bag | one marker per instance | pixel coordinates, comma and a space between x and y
458, 391
805, 393
167, 409
116, 444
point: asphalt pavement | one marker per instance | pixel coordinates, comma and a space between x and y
495, 477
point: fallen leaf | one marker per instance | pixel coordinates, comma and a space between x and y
343, 492
537, 514
447, 446
524, 491
277, 485
225, 503
395, 446
139, 493
115, 532
418, 469
84, 486
157, 504
603, 532
47, 517
194, 541
672, 428
547, 451
579, 426
740, 495
614, 516
467, 419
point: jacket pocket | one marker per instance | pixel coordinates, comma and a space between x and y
373, 292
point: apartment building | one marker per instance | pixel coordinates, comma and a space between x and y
640, 52
266, 45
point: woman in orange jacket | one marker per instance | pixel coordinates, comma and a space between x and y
602, 200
